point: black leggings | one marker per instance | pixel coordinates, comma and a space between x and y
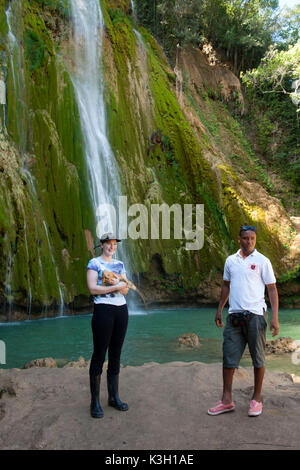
109, 326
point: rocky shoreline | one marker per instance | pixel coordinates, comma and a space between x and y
205, 296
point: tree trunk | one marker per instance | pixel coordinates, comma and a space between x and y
235, 67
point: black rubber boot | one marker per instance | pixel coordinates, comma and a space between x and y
113, 393
96, 410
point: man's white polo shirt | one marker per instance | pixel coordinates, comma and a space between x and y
248, 278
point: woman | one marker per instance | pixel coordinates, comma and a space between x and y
109, 323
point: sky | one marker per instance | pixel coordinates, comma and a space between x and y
288, 3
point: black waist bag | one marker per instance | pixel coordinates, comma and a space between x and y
239, 318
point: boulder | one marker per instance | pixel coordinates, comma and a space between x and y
80, 363
43, 362
189, 340
281, 345
295, 378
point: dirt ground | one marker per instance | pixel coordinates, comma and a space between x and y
48, 408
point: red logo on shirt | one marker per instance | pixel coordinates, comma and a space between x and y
253, 266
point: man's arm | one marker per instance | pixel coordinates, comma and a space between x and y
273, 296
223, 299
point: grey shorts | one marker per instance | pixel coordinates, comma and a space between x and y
252, 332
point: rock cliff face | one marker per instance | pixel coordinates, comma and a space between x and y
45, 203
175, 142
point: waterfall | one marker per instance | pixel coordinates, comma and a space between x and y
11, 42
34, 198
61, 310
28, 261
17, 71
8, 300
88, 84
133, 8
87, 78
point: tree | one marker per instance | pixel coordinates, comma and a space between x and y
289, 28
278, 72
273, 91
242, 29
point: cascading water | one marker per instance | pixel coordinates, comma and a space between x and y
34, 199
133, 8
87, 78
61, 311
17, 67
29, 302
11, 42
8, 304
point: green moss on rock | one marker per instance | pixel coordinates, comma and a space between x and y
47, 209
162, 160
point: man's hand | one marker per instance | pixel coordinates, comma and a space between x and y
274, 327
223, 299
273, 296
218, 320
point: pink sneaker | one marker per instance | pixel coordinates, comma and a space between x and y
255, 408
221, 408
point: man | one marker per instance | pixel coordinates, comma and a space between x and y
246, 273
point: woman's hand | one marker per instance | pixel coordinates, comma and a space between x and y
124, 291
123, 288
114, 280
121, 285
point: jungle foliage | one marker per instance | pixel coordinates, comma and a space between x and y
242, 29
261, 45
273, 91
